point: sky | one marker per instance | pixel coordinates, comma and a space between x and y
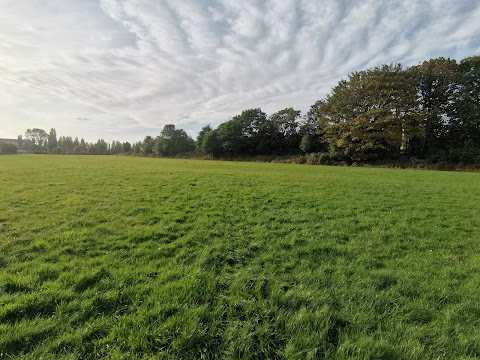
122, 69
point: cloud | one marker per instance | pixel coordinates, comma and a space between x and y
136, 65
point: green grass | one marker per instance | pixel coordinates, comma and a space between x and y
175, 259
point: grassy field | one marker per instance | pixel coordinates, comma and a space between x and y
176, 259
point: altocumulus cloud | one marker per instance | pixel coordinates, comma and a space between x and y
133, 66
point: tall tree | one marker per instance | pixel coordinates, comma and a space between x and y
212, 144
202, 135
126, 147
148, 146
373, 114
285, 131
101, 147
465, 128
115, 147
65, 143
277, 134
438, 86
52, 140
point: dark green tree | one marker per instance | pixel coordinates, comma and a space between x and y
212, 144
464, 132
202, 135
438, 86
279, 135
173, 141
374, 114
126, 147
244, 133
148, 146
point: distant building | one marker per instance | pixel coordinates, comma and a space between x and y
19, 143
11, 141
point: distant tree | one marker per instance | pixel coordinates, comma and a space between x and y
83, 145
310, 129
126, 147
148, 146
52, 140
116, 147
212, 144
232, 137
173, 141
243, 134
101, 147
66, 144
202, 135
283, 131
37, 138
137, 148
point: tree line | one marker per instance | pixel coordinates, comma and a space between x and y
430, 111
171, 141
40, 142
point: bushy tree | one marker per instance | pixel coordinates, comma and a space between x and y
37, 138
148, 146
202, 135
212, 144
126, 147
116, 147
101, 147
65, 143
137, 148
464, 132
373, 114
244, 133
173, 141
280, 133
437, 82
